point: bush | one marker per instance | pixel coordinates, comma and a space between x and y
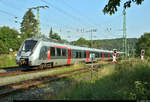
129, 72
141, 91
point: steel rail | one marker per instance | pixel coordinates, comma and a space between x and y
7, 90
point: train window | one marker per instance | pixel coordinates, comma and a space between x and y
64, 52
100, 55
80, 55
96, 54
73, 53
58, 51
84, 54
52, 51
43, 53
105, 54
28, 45
77, 56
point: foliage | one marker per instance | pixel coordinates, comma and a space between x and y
108, 44
29, 24
143, 43
8, 39
43, 36
112, 5
54, 36
128, 80
81, 41
51, 33
141, 91
7, 60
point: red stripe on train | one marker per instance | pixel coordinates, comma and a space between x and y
87, 56
69, 56
102, 56
49, 55
59, 46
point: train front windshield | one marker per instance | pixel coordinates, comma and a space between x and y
28, 45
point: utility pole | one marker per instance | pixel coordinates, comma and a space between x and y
38, 18
92, 55
91, 31
128, 50
124, 32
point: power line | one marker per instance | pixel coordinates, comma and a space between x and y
46, 18
14, 7
70, 15
79, 13
64, 12
10, 14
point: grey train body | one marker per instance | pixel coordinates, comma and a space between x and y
38, 51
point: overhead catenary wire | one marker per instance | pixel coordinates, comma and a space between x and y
8, 13
66, 13
64, 2
79, 13
61, 12
11, 6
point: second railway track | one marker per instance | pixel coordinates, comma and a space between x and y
9, 89
12, 71
19, 71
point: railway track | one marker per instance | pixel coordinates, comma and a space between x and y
9, 89
12, 71
20, 71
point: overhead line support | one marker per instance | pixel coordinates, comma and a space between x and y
38, 18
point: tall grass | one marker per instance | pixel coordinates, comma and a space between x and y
7, 60
125, 81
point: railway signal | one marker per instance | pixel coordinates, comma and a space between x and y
114, 55
142, 54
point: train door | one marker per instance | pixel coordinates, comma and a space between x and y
69, 56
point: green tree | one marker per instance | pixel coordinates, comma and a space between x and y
56, 36
43, 36
51, 33
8, 39
81, 41
112, 5
143, 43
96, 44
28, 25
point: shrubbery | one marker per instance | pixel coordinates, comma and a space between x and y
136, 76
128, 80
9, 39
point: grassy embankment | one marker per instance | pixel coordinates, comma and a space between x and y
7, 60
124, 81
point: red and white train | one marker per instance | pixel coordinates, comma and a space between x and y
45, 52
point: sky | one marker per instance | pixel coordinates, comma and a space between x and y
73, 19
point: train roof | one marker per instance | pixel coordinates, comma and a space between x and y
69, 45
